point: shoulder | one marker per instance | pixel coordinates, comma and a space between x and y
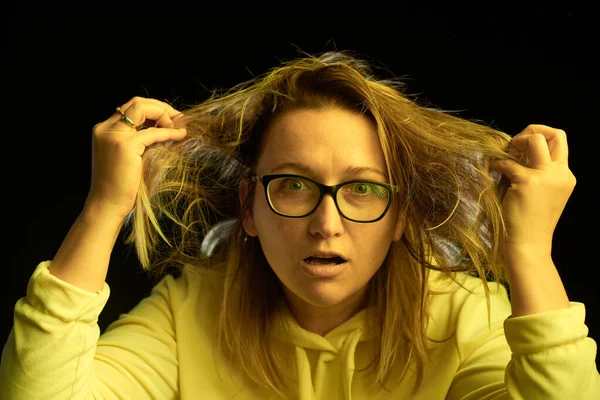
461, 307
195, 287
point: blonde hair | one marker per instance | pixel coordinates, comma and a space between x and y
439, 161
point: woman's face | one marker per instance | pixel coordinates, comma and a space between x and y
323, 145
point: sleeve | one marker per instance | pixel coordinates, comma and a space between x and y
55, 351
552, 356
540, 356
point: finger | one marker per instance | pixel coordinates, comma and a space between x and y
171, 111
509, 168
156, 135
164, 121
532, 150
148, 113
556, 139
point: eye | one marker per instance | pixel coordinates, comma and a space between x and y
365, 189
293, 184
361, 188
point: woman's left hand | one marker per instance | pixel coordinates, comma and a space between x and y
540, 186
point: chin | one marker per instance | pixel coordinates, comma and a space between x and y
324, 300
324, 294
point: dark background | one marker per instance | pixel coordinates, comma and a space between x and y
68, 67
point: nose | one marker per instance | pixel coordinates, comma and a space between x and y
327, 220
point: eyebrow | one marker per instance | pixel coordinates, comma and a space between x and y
355, 170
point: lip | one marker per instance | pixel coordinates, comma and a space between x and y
325, 254
323, 271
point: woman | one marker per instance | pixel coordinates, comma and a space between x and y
366, 244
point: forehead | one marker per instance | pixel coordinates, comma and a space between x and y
329, 141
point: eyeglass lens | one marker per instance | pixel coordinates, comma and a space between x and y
295, 197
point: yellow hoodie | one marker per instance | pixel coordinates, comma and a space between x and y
164, 348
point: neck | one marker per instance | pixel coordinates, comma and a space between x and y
323, 319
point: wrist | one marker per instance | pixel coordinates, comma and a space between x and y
532, 253
109, 214
535, 284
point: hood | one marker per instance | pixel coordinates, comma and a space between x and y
336, 353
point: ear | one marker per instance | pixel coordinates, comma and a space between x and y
248, 217
400, 225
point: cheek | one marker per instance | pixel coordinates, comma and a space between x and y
375, 243
271, 226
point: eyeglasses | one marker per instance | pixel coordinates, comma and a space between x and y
296, 196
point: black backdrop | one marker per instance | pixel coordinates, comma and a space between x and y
68, 67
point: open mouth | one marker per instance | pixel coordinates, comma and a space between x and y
324, 261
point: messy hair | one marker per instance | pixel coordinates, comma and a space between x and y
438, 160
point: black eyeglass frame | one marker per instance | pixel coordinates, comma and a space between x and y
324, 189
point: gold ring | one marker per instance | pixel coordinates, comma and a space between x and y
125, 118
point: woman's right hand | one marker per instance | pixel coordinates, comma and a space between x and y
117, 150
